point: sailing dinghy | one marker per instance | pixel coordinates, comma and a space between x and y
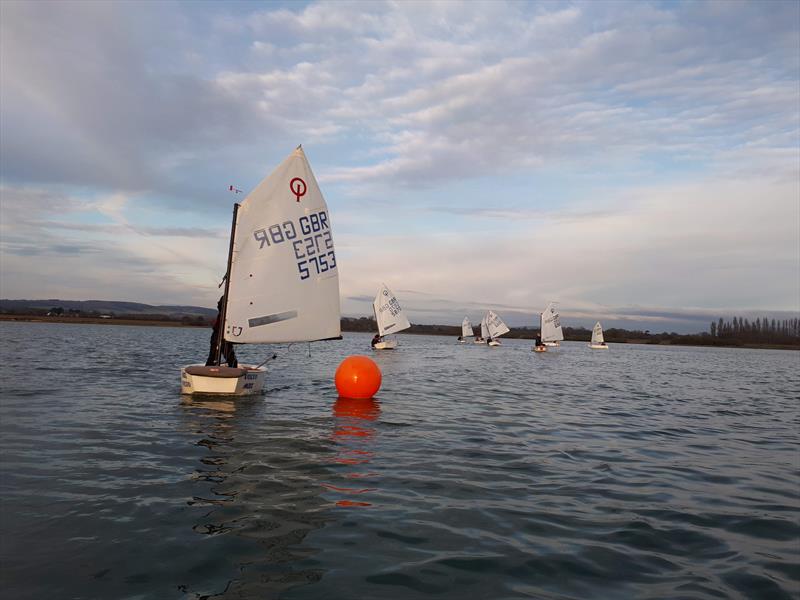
389, 316
550, 324
466, 330
494, 328
281, 284
598, 342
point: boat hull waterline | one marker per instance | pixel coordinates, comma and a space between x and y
245, 380
386, 345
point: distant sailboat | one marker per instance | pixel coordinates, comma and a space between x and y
466, 330
551, 330
389, 316
598, 342
281, 284
492, 327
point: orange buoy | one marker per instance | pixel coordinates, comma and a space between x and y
358, 377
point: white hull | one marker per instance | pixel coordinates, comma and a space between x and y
462, 341
539, 348
478, 342
494, 343
386, 345
598, 346
249, 380
552, 344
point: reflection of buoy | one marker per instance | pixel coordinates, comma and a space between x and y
368, 409
358, 377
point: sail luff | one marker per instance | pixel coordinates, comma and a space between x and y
226, 294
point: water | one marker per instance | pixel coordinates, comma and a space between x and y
641, 472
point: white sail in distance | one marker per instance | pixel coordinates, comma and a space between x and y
597, 334
551, 325
484, 328
466, 328
284, 280
495, 325
388, 313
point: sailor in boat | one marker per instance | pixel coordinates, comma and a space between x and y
376, 340
489, 340
538, 340
460, 338
227, 347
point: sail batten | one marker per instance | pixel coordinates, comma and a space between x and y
284, 280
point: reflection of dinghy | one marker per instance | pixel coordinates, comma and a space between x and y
598, 342
282, 284
466, 331
492, 327
389, 317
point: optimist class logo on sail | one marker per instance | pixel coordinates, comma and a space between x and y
298, 187
310, 237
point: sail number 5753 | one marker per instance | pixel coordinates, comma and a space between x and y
310, 239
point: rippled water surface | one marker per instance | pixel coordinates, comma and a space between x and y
641, 472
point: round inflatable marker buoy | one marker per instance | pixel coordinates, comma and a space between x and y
358, 377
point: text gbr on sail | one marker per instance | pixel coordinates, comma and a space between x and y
313, 247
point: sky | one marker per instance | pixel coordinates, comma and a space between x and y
636, 162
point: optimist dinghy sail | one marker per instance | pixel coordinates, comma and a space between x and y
282, 282
494, 327
484, 328
389, 316
551, 326
598, 342
466, 328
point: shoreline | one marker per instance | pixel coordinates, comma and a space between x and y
99, 321
164, 323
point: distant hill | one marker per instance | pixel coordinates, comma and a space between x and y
103, 307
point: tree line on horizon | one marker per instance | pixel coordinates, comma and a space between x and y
760, 331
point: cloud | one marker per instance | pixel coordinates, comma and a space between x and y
503, 153
87, 100
44, 251
710, 245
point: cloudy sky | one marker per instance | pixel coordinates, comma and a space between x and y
636, 162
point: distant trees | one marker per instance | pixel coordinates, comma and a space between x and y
760, 331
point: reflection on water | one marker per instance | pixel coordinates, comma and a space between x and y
262, 499
354, 434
